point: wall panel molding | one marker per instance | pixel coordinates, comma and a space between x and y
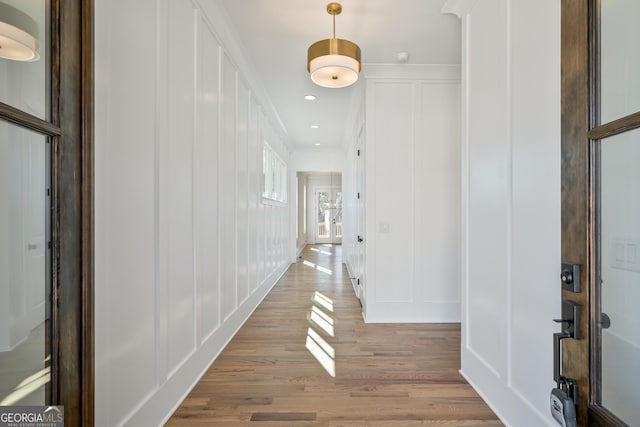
185, 248
510, 212
412, 160
417, 72
460, 8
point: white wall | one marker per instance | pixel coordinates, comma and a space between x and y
185, 248
510, 202
412, 193
317, 159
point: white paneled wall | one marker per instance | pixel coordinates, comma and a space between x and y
185, 247
510, 202
412, 194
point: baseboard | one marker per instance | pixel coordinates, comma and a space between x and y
163, 402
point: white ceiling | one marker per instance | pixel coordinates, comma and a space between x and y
276, 34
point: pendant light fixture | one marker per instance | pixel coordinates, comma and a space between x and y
334, 63
18, 32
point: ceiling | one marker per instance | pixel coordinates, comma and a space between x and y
275, 35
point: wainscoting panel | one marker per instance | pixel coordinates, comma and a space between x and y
412, 193
510, 202
185, 246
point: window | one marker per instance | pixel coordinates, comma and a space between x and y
274, 176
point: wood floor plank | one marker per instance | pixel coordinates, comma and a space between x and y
306, 358
283, 416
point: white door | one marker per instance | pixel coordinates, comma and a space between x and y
328, 215
359, 248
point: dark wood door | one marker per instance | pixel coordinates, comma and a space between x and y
46, 116
601, 205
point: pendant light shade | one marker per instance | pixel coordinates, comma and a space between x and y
18, 32
334, 63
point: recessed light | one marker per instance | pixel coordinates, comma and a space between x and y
314, 126
310, 97
317, 144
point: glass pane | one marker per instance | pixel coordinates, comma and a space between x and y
24, 83
24, 259
338, 214
620, 270
620, 60
324, 215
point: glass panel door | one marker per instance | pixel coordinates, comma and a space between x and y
323, 219
616, 321
25, 290
619, 59
329, 216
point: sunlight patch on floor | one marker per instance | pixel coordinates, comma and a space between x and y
322, 351
321, 322
323, 301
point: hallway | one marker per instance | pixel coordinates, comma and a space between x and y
306, 358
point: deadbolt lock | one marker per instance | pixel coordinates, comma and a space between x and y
570, 277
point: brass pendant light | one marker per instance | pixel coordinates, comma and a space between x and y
334, 63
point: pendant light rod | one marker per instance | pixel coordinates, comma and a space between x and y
334, 26
334, 9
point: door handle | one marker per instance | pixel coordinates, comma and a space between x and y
570, 329
360, 239
557, 354
570, 319
567, 385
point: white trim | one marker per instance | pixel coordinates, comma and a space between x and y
195, 366
432, 72
458, 7
516, 411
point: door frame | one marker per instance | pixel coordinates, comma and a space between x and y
70, 130
333, 239
576, 218
580, 133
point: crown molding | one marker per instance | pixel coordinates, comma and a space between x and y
434, 72
458, 7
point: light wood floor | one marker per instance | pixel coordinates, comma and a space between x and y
306, 358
